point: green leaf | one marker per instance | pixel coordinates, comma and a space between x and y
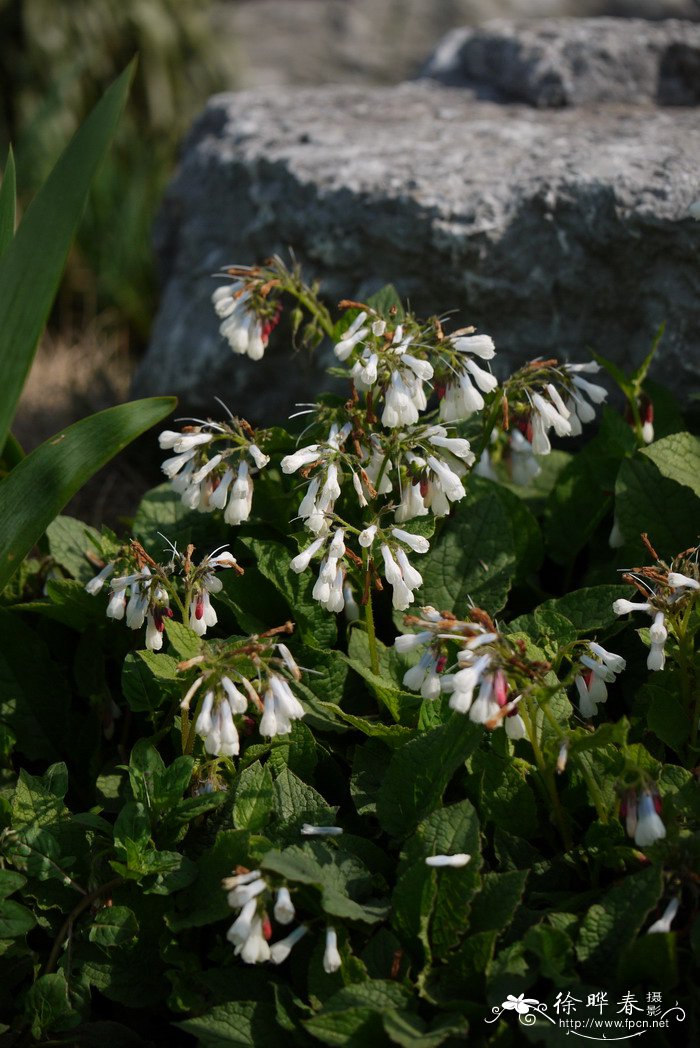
32, 263
667, 717
255, 797
298, 803
473, 559
15, 919
205, 901
433, 903
677, 457
184, 641
352, 1017
506, 798
43, 482
667, 507
497, 901
410, 1031
69, 542
249, 1024
38, 800
612, 923
10, 882
149, 680
38, 853
8, 202
47, 1007
385, 300
114, 925
419, 772
582, 496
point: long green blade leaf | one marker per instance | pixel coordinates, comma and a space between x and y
8, 202
39, 487
32, 264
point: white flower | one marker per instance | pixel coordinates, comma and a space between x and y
215, 725
240, 325
303, 457
515, 726
666, 920
424, 677
280, 951
255, 949
307, 830
550, 417
366, 537
465, 681
417, 543
399, 406
524, 467
302, 560
656, 659
401, 577
280, 708
480, 345
354, 334
94, 586
410, 641
461, 400
284, 907
245, 888
456, 446
241, 501
650, 828
331, 957
485, 707
675, 580
457, 860
657, 631
624, 607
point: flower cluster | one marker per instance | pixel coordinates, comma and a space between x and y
598, 669
490, 676
213, 466
144, 593
250, 893
667, 593
252, 677
249, 309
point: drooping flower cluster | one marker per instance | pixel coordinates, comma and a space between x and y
543, 397
250, 892
144, 592
667, 592
490, 676
598, 669
213, 466
249, 309
252, 677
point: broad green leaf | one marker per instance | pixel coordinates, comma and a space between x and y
47, 1006
205, 901
114, 925
616, 919
184, 642
15, 919
32, 264
296, 802
8, 202
248, 1024
10, 882
506, 797
410, 1031
352, 1017
40, 486
647, 501
255, 796
69, 541
651, 960
38, 801
677, 457
589, 609
419, 772
296, 751
149, 680
582, 496
161, 512
473, 559
432, 903
497, 901
666, 716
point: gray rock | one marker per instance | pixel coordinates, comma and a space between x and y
551, 229
564, 62
378, 41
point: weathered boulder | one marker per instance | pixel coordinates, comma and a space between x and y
560, 62
552, 229
378, 41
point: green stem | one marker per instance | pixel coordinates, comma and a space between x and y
528, 714
318, 311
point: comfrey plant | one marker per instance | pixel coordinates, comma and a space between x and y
379, 746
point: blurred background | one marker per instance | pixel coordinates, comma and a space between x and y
56, 58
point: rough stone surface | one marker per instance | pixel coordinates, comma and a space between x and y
379, 41
563, 62
551, 229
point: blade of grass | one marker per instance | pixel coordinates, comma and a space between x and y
40, 486
32, 263
8, 202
